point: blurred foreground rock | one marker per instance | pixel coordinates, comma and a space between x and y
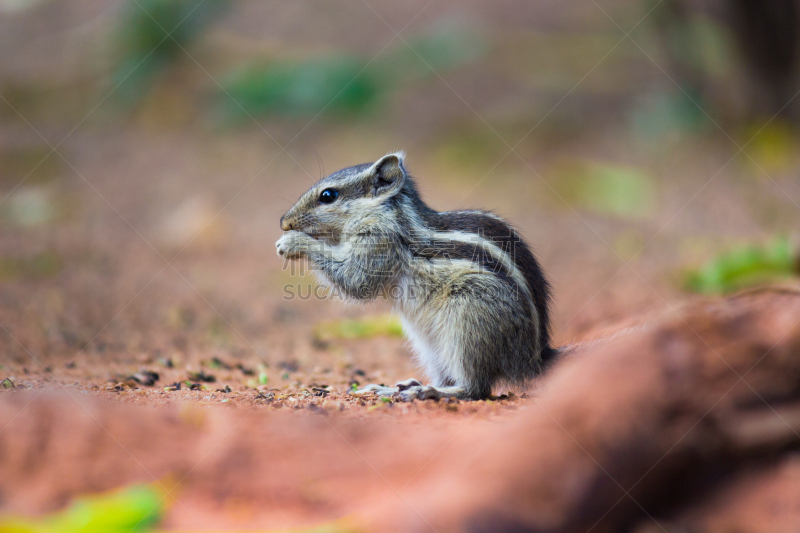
690, 424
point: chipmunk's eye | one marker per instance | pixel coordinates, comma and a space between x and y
328, 196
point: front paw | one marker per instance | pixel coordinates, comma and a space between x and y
293, 245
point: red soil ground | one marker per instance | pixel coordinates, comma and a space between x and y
687, 423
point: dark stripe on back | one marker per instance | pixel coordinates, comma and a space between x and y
507, 239
500, 233
458, 250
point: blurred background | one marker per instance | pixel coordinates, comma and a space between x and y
647, 150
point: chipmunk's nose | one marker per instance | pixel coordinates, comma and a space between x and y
285, 224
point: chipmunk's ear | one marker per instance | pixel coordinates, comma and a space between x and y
388, 175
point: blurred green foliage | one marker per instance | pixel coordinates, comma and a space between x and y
131, 510
617, 191
135, 509
43, 265
152, 35
699, 43
745, 266
773, 146
37, 165
442, 47
657, 115
29, 174
342, 83
292, 88
29, 207
361, 328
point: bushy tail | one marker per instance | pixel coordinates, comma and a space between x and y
550, 355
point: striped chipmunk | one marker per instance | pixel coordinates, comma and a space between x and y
472, 298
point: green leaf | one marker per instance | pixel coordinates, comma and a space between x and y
131, 510
330, 84
622, 192
361, 328
744, 266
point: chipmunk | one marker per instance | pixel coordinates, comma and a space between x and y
472, 298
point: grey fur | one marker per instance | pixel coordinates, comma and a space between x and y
473, 300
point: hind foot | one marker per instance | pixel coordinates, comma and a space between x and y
384, 391
411, 389
428, 392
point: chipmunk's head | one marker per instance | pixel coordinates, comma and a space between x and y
354, 195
